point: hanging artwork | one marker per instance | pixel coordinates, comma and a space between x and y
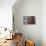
29, 19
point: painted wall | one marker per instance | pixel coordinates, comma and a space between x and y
29, 8
6, 16
6, 13
43, 22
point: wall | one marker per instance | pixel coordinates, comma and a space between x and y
43, 22
6, 16
29, 8
6, 13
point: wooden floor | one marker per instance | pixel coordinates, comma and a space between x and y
9, 43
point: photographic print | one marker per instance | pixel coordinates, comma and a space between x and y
29, 19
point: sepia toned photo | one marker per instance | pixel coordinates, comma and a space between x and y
29, 19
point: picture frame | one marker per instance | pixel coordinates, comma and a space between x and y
29, 20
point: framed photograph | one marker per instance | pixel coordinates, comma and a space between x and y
29, 19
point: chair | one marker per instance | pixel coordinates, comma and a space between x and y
18, 39
29, 43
